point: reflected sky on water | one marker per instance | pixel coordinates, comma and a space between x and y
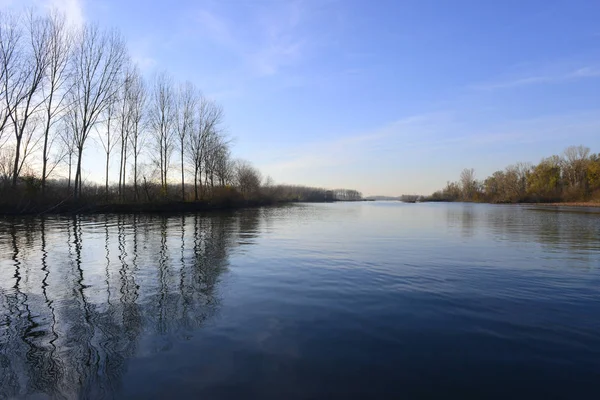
316, 300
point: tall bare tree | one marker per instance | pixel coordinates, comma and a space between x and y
223, 165
55, 89
163, 123
209, 116
107, 139
98, 60
187, 102
67, 137
11, 34
137, 104
217, 150
24, 85
124, 118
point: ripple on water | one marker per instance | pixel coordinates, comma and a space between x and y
327, 300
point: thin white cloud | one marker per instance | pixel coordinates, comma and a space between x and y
145, 63
347, 149
266, 41
430, 133
573, 75
586, 72
72, 9
141, 51
414, 154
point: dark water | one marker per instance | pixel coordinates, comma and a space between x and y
369, 300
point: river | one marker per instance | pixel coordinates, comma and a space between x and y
343, 300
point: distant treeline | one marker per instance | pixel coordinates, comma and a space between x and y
64, 89
570, 177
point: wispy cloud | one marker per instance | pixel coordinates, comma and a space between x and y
421, 150
572, 75
430, 133
348, 149
265, 41
141, 51
72, 9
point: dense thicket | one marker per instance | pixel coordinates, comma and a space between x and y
572, 176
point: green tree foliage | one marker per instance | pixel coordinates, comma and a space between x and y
573, 176
545, 181
593, 174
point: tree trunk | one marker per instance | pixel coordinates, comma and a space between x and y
45, 150
16, 165
121, 170
124, 171
182, 175
135, 186
165, 168
78, 174
196, 183
70, 168
162, 175
106, 182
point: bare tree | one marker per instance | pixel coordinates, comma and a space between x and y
574, 164
217, 149
24, 97
55, 90
247, 178
107, 139
67, 137
163, 123
187, 101
468, 183
208, 118
223, 165
124, 118
6, 165
137, 103
98, 59
10, 58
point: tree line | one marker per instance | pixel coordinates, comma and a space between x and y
62, 87
572, 176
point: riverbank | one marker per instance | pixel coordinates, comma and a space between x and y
567, 204
72, 207
552, 204
82, 207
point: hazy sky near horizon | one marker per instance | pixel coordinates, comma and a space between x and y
388, 97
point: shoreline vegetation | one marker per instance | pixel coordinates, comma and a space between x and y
569, 179
163, 144
26, 199
566, 204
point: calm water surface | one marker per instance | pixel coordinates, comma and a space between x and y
378, 299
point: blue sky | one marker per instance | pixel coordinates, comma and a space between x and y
387, 97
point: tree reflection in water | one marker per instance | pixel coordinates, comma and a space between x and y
77, 294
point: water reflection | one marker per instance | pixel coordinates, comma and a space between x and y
380, 294
554, 229
78, 294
